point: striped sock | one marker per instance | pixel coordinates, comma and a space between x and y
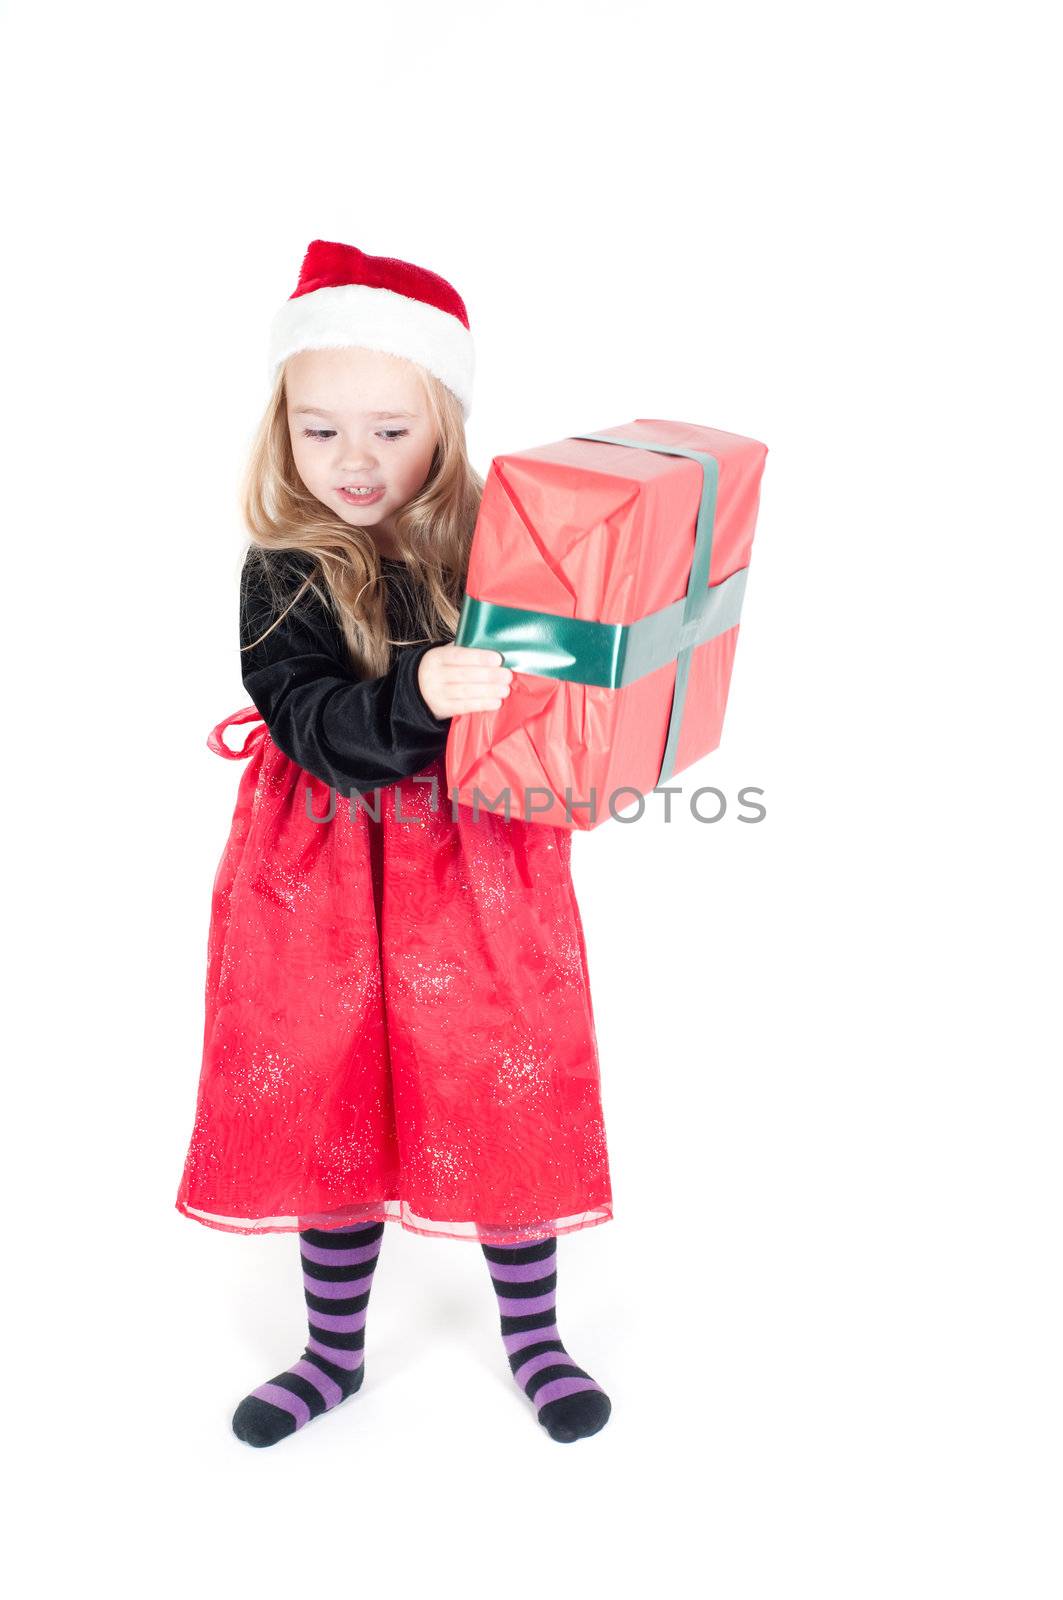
569, 1404
337, 1277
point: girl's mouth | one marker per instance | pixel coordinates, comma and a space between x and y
354, 498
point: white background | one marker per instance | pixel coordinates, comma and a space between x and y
828, 1307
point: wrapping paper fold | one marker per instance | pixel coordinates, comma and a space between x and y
609, 569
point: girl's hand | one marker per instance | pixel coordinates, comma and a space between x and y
455, 678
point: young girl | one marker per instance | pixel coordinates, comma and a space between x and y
398, 1014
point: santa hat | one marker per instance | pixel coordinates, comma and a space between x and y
346, 297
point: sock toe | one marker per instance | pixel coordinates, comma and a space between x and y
258, 1423
576, 1416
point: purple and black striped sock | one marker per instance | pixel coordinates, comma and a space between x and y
568, 1402
337, 1277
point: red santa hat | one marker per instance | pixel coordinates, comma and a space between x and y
347, 297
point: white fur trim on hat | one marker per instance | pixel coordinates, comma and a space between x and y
376, 319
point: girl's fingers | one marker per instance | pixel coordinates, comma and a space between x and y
481, 684
471, 679
475, 671
459, 664
478, 686
475, 656
474, 702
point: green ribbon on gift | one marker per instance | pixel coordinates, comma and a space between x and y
615, 654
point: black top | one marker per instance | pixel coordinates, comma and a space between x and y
353, 733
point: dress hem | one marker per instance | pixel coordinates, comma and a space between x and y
399, 1211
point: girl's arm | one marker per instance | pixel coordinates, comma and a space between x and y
352, 733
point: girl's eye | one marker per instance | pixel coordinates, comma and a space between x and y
328, 433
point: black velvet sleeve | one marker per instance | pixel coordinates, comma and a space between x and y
353, 733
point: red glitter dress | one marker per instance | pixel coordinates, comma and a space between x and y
398, 1016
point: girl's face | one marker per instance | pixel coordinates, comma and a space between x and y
359, 418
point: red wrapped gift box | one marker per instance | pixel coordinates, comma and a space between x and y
609, 570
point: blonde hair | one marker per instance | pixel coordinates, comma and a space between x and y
433, 532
